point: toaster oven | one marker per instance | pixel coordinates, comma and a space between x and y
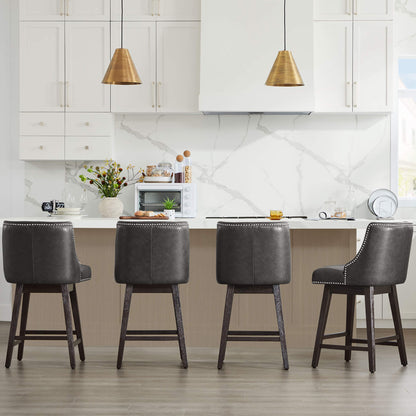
150, 197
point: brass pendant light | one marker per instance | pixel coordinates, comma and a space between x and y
284, 72
121, 70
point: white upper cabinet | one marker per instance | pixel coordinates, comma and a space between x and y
354, 9
64, 10
42, 76
353, 69
87, 57
140, 40
157, 9
333, 9
87, 10
372, 69
333, 67
42, 9
373, 9
240, 40
178, 66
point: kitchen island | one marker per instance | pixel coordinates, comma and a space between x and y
314, 244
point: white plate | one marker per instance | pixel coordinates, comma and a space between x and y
384, 206
156, 179
378, 193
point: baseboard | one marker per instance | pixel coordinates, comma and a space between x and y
5, 312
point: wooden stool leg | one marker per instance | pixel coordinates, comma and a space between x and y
281, 325
369, 312
395, 311
23, 323
77, 322
323, 317
13, 324
349, 327
179, 325
68, 324
124, 322
225, 324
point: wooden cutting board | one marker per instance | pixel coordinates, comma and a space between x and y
144, 218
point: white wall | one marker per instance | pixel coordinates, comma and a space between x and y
12, 170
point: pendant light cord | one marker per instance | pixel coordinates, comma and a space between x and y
122, 22
284, 23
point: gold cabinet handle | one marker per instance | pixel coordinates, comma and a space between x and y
62, 97
87, 123
354, 94
153, 94
67, 93
348, 94
67, 7
41, 147
159, 86
153, 7
62, 12
41, 123
158, 7
86, 147
355, 7
348, 7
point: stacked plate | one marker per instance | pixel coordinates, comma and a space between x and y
383, 203
70, 212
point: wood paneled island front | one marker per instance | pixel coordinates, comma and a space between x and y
314, 244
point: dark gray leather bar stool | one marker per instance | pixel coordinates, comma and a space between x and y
379, 266
152, 257
40, 257
253, 257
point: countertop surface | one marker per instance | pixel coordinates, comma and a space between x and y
206, 224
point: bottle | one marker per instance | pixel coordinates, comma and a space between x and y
179, 169
187, 167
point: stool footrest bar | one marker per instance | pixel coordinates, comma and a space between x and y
266, 333
343, 347
151, 338
335, 335
237, 338
46, 332
152, 332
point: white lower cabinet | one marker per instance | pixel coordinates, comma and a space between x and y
70, 136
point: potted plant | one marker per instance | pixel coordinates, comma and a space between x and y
169, 205
109, 181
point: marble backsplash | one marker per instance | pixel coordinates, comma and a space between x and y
242, 164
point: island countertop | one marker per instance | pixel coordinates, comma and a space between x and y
201, 223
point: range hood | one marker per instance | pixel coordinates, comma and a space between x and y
239, 43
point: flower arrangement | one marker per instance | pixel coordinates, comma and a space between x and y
109, 178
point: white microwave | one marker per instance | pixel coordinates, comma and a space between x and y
150, 197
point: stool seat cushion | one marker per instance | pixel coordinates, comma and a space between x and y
331, 275
85, 272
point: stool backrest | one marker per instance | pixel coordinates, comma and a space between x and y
253, 253
384, 256
39, 253
152, 253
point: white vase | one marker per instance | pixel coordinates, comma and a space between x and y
170, 213
110, 207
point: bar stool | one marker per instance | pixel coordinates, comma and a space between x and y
40, 257
379, 266
152, 257
253, 258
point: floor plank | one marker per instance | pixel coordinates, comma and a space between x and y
252, 382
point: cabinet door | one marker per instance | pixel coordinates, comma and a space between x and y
87, 10
42, 66
178, 66
373, 9
178, 9
333, 9
41, 148
134, 9
140, 40
87, 57
42, 9
333, 66
372, 71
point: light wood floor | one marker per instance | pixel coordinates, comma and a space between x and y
251, 383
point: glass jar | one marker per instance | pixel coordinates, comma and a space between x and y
187, 170
163, 172
179, 169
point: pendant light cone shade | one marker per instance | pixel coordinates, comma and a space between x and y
284, 72
121, 70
